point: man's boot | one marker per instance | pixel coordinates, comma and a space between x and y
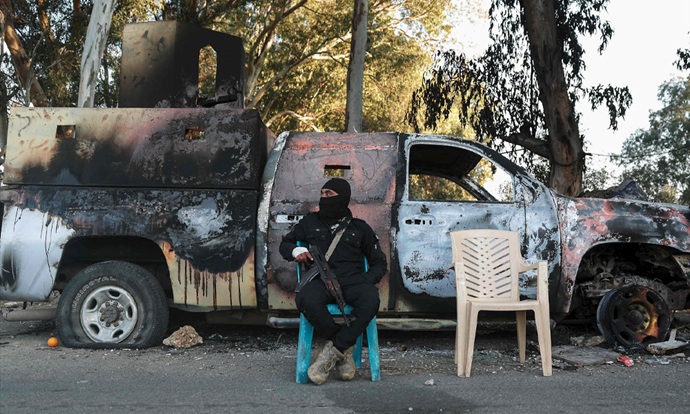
346, 367
318, 371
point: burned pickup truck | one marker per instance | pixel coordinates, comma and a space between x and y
130, 211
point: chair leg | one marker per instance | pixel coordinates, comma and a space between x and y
544, 335
457, 342
521, 318
374, 353
461, 336
304, 341
471, 333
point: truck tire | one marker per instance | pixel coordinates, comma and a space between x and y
112, 304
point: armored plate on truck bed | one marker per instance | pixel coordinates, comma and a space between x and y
180, 148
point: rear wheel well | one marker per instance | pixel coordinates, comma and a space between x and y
608, 266
81, 252
646, 260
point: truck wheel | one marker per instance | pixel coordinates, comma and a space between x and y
633, 315
112, 304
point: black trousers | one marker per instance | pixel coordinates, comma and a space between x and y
312, 301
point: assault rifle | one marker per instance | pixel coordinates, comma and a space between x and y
322, 269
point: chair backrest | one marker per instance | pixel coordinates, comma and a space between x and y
491, 262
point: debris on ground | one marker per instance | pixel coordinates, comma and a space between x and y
582, 356
626, 360
185, 337
587, 341
661, 348
657, 361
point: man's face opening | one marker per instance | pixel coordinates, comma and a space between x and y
327, 192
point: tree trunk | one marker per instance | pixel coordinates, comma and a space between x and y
4, 118
20, 60
45, 21
567, 155
94, 46
355, 69
4, 95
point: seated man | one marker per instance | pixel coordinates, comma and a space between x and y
353, 240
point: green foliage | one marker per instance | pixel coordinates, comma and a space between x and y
427, 187
596, 180
683, 62
657, 158
51, 32
435, 187
296, 53
314, 46
497, 94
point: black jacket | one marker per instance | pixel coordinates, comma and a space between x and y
347, 260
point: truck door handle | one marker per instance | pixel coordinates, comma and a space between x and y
421, 221
288, 218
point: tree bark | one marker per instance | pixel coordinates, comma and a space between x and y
20, 60
4, 95
45, 21
94, 46
355, 69
567, 155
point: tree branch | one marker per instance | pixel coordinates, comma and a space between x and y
535, 145
20, 60
305, 119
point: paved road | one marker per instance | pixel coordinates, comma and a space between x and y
251, 370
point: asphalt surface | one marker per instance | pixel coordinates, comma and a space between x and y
251, 370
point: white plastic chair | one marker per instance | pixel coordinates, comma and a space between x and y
487, 266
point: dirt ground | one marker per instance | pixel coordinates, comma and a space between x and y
575, 347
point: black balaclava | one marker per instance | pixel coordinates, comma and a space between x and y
332, 209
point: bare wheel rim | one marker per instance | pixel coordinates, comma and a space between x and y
633, 315
108, 314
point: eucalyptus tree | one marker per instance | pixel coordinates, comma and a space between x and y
524, 90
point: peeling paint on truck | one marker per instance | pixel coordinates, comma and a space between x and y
32, 243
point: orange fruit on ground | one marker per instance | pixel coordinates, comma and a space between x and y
52, 342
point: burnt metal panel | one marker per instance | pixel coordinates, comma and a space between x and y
207, 237
423, 245
587, 222
203, 148
299, 176
160, 65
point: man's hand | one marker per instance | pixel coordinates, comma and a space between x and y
302, 255
304, 258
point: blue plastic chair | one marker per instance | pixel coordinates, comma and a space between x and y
306, 334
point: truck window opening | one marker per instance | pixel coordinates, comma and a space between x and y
208, 66
342, 171
66, 132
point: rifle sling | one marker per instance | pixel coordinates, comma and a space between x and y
336, 240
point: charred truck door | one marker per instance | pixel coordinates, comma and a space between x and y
293, 179
450, 185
